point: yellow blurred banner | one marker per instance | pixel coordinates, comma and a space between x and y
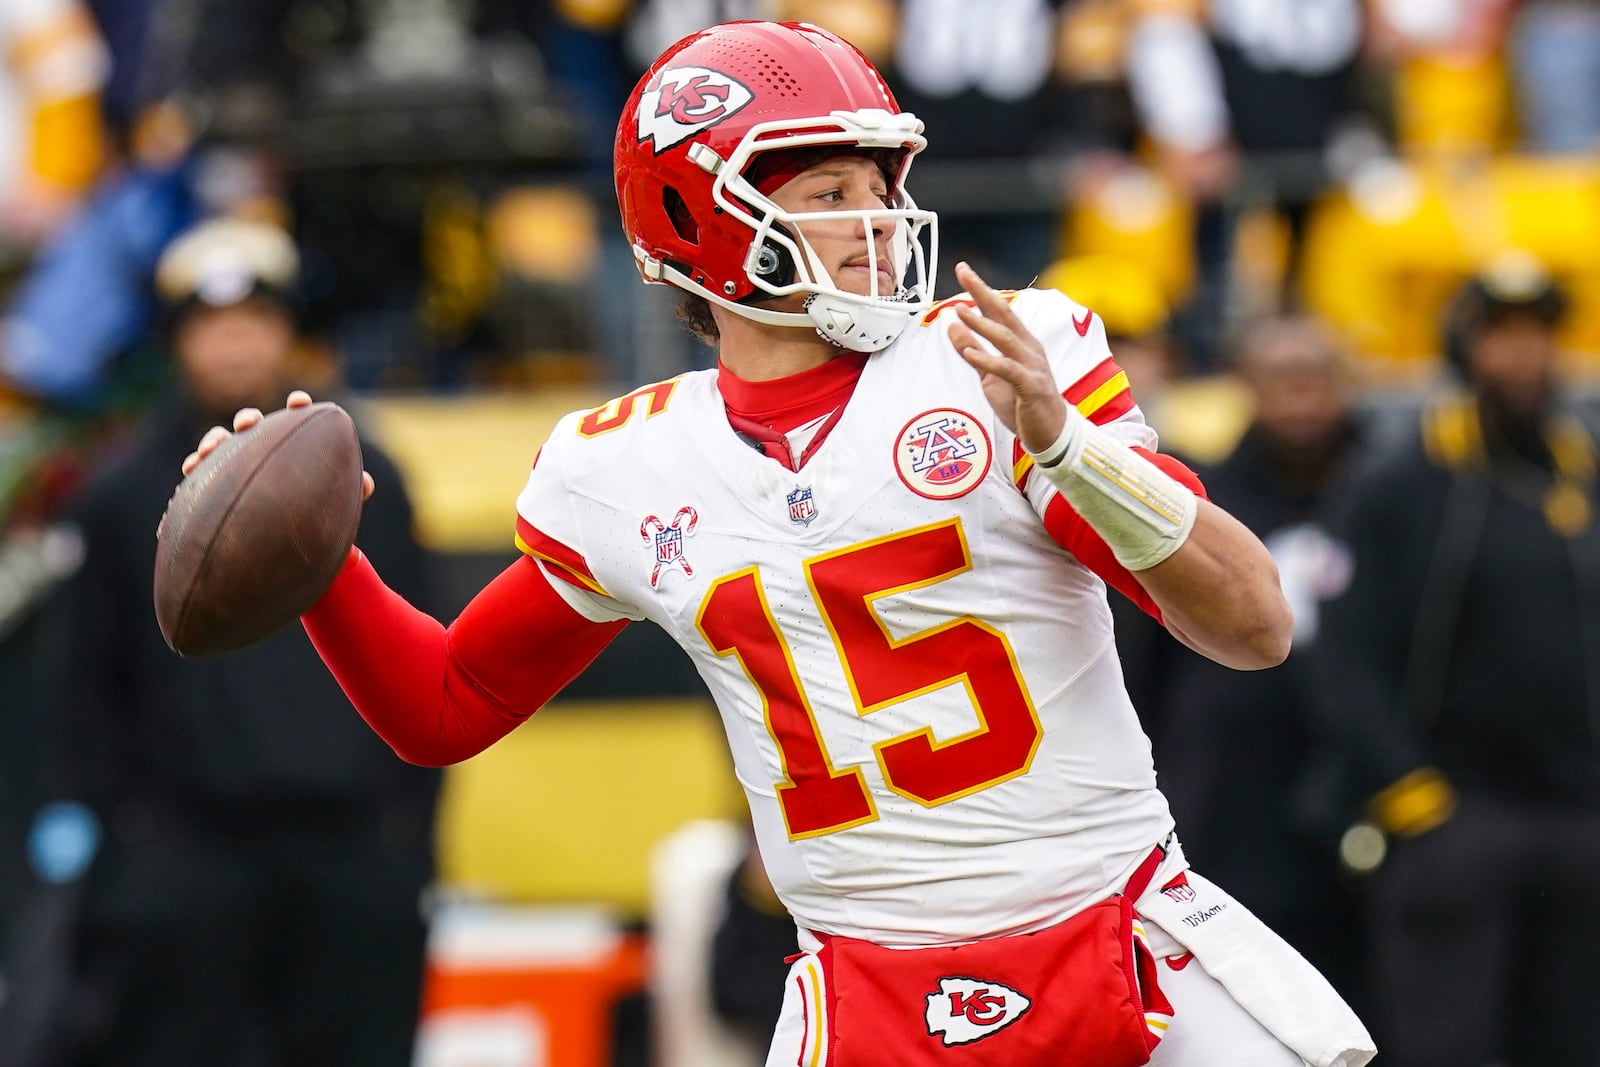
569, 806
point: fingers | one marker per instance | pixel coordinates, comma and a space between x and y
208, 443
993, 349
211, 439
962, 337
1001, 336
243, 419
984, 361
992, 319
974, 349
991, 303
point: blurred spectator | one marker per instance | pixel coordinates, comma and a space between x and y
596, 50
1238, 746
33, 560
1243, 103
985, 82
1554, 53
125, 26
1481, 75
50, 136
1463, 662
256, 895
86, 301
1450, 79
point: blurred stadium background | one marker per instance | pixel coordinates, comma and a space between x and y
444, 167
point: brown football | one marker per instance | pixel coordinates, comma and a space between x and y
258, 531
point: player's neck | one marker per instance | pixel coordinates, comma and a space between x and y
757, 352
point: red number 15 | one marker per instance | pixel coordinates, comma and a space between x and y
882, 670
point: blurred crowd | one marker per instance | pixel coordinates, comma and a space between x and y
1346, 251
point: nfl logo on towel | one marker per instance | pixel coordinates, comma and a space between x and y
802, 509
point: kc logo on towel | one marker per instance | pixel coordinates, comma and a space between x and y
964, 1010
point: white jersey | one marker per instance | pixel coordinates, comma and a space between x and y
920, 687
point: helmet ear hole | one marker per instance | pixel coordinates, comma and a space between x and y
775, 265
680, 216
766, 259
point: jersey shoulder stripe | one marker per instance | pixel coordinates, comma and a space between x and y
563, 561
1103, 394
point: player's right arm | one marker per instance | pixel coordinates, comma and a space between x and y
1213, 580
438, 694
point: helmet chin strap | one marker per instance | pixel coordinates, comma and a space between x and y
851, 324
854, 326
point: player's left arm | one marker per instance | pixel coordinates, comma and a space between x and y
1214, 582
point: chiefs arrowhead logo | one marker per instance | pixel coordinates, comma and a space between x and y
965, 1010
682, 101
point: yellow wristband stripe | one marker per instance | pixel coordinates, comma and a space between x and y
1134, 489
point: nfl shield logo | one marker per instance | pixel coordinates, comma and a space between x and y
802, 509
1178, 890
669, 545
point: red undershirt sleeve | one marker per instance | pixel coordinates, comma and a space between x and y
439, 695
1069, 530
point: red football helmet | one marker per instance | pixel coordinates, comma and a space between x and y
701, 117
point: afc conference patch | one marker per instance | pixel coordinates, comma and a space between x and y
942, 454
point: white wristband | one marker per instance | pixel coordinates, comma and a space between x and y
1143, 513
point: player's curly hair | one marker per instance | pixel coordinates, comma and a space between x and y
695, 312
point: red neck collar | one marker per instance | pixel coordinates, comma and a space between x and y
797, 397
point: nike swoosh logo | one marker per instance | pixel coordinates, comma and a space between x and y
1178, 963
1082, 324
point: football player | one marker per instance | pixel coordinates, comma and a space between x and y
883, 528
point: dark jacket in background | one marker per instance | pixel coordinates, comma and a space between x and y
1467, 642
264, 852
1469, 637
260, 731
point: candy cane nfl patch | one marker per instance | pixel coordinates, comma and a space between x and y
667, 537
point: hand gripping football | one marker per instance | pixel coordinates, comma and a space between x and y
257, 532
